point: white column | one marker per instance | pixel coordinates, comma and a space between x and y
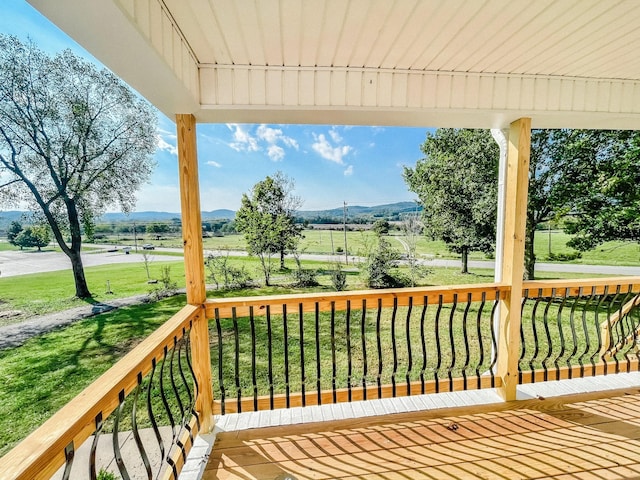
501, 137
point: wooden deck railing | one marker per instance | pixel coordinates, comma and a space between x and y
312, 349
579, 328
154, 384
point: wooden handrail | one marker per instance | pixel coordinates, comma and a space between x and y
605, 328
41, 454
242, 305
597, 286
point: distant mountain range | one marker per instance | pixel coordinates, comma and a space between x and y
388, 211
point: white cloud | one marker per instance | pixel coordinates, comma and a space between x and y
272, 140
275, 152
335, 136
243, 140
212, 163
268, 134
348, 171
166, 146
323, 147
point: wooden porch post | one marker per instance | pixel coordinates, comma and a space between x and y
515, 218
194, 263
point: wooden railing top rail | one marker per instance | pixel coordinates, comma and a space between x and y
446, 294
586, 286
42, 452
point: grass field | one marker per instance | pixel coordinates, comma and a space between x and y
45, 373
41, 293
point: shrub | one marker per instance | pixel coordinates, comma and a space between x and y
338, 278
564, 257
305, 278
167, 287
225, 275
381, 267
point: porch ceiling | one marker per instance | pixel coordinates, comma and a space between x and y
405, 62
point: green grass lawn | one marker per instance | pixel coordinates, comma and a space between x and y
39, 377
40, 293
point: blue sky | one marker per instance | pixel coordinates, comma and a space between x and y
329, 164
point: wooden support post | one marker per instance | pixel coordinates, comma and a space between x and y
515, 218
194, 263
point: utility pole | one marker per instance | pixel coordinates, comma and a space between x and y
346, 254
135, 236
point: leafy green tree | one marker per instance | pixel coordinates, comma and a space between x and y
602, 185
546, 195
267, 219
457, 184
14, 230
591, 175
74, 140
33, 237
381, 227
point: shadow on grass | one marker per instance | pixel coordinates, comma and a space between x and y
39, 377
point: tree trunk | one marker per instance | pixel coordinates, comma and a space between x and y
529, 253
465, 260
282, 259
82, 289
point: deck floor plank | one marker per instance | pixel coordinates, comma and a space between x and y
585, 436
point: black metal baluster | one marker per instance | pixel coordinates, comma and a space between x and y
574, 336
270, 357
556, 361
349, 360
423, 342
467, 353
610, 304
523, 343
585, 330
318, 364
196, 386
223, 392
236, 337
452, 363
436, 326
379, 346
409, 353
285, 331
545, 323
363, 332
394, 347
189, 407
152, 419
165, 402
117, 454
69, 454
254, 377
480, 340
303, 377
633, 325
536, 340
494, 342
333, 352
136, 432
173, 382
94, 446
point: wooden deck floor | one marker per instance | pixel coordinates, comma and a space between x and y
586, 436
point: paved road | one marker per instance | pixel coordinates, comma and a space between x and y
20, 263
14, 263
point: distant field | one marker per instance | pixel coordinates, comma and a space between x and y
328, 241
